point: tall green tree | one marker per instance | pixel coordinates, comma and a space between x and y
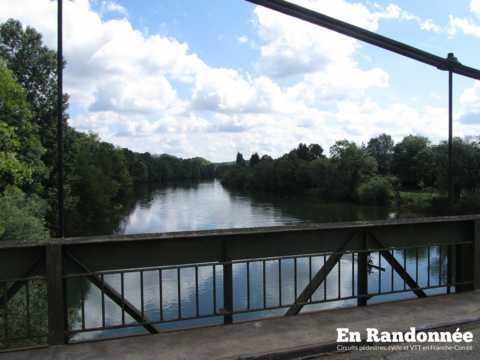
382, 148
20, 148
413, 162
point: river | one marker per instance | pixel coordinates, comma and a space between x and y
208, 205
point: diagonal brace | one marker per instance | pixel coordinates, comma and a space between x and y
18, 284
398, 268
318, 279
113, 294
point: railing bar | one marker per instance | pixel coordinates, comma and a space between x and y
310, 274
440, 261
280, 281
27, 305
122, 291
197, 295
392, 272
428, 266
160, 292
449, 267
325, 280
214, 270
379, 272
339, 277
295, 279
236, 261
179, 293
82, 302
405, 267
248, 285
264, 272
416, 265
142, 296
103, 299
353, 274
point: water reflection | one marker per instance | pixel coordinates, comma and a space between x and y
172, 293
209, 205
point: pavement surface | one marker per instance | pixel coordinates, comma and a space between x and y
297, 337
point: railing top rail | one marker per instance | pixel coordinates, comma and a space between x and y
237, 231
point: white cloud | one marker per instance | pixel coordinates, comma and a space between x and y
112, 7
243, 39
467, 26
475, 7
151, 93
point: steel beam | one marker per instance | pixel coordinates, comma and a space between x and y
113, 294
60, 190
318, 279
398, 268
369, 37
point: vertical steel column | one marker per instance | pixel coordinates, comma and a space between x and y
451, 186
60, 180
476, 255
450, 141
362, 273
56, 297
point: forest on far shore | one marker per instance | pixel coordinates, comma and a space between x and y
412, 172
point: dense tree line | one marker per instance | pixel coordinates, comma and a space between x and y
98, 175
371, 173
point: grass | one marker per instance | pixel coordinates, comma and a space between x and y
417, 199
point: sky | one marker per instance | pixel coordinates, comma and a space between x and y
215, 77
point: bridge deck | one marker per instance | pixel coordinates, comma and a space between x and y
293, 336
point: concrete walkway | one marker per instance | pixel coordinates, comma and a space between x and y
280, 338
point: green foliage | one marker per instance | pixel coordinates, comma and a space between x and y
412, 162
351, 166
381, 148
20, 148
240, 161
22, 217
254, 160
377, 190
34, 67
417, 199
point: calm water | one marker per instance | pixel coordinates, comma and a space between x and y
210, 206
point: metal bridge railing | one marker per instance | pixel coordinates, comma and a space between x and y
258, 287
74, 290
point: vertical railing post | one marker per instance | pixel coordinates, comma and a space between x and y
227, 292
465, 267
476, 255
362, 273
56, 298
227, 286
450, 267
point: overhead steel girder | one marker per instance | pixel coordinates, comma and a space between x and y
447, 64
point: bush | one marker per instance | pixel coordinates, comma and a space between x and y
23, 217
377, 190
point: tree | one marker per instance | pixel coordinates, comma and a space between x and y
351, 166
466, 167
240, 161
413, 162
20, 147
381, 148
254, 160
306, 153
35, 68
